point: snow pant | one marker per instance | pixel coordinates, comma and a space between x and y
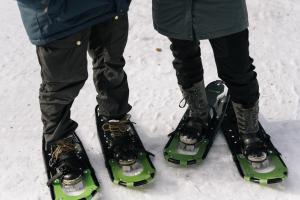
234, 65
64, 72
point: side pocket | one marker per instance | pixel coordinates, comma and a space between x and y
73, 41
64, 60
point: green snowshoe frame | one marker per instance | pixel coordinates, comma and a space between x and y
89, 179
115, 171
218, 103
90, 189
280, 171
142, 178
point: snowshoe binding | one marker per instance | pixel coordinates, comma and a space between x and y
126, 159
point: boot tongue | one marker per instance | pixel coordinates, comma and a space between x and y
115, 127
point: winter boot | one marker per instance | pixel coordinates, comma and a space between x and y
197, 121
65, 160
247, 120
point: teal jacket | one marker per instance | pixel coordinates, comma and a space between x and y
49, 20
199, 19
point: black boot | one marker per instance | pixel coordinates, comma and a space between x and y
198, 118
121, 140
66, 161
247, 120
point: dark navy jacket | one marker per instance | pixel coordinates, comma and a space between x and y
49, 20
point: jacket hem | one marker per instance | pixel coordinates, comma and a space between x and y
204, 36
70, 31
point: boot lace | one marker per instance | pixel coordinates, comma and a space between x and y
117, 127
247, 120
63, 146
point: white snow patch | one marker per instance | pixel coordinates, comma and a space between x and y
275, 43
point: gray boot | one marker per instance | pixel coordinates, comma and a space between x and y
196, 99
247, 118
248, 127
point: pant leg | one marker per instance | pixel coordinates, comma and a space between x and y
187, 62
235, 67
64, 71
106, 47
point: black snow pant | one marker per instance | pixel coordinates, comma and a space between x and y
234, 65
64, 72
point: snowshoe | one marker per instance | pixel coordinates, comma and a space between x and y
195, 149
70, 174
260, 163
126, 159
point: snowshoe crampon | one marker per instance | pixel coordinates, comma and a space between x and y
84, 187
128, 173
183, 154
271, 169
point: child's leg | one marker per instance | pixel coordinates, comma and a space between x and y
189, 71
235, 67
107, 44
187, 62
64, 71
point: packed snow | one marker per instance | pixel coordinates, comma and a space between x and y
275, 46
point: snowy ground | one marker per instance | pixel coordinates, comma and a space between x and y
275, 42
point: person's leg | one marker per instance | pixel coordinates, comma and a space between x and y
118, 139
187, 62
235, 67
64, 71
189, 72
106, 47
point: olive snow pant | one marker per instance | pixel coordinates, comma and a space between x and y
64, 72
234, 65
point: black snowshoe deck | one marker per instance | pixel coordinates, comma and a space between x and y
91, 184
217, 100
117, 175
278, 170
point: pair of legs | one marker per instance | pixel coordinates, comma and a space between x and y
233, 62
235, 68
64, 72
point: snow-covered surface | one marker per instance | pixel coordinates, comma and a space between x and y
275, 43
